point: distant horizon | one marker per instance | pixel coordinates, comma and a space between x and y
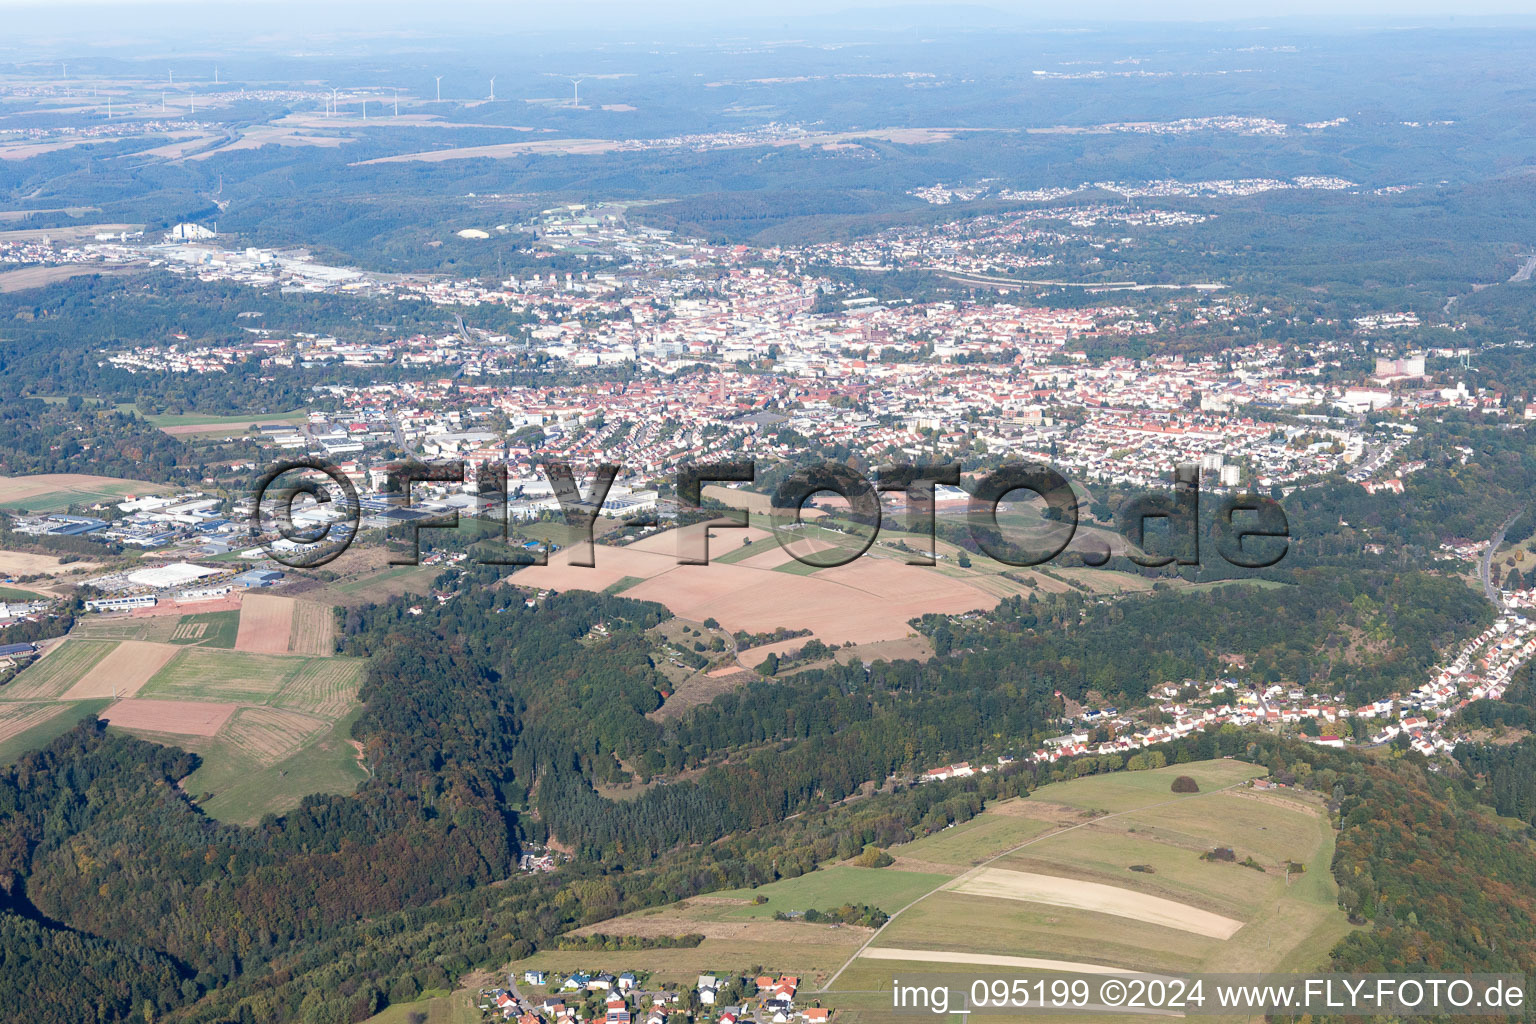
673, 12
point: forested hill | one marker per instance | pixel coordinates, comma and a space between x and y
487, 721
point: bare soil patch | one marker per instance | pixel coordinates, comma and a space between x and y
1055, 891
265, 624
183, 717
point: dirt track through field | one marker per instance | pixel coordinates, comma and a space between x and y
1054, 891
123, 671
939, 956
265, 624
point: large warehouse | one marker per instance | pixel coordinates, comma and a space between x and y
176, 574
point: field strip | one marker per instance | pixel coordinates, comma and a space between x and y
57, 669
827, 985
265, 623
313, 630
186, 717
270, 734
1050, 890
942, 956
125, 669
16, 719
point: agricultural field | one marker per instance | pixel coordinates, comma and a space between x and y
55, 492
25, 563
866, 601
17, 718
265, 623
41, 731
323, 686
241, 677
1040, 883
271, 728
313, 630
59, 668
890, 889
252, 768
269, 735
200, 629
124, 670
1106, 874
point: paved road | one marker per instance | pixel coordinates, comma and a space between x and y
1525, 272
1490, 588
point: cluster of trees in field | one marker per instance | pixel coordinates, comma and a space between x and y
862, 915
599, 943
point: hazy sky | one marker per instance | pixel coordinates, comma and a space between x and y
46, 28
577, 11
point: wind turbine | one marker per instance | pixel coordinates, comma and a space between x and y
66, 69
397, 101
192, 99
109, 108
173, 76
439, 88
493, 87
576, 91
215, 76
162, 103
333, 102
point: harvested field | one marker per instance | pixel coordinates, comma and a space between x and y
59, 668
270, 734
38, 277
867, 600
23, 563
123, 671
325, 687
181, 717
18, 718
313, 630
265, 624
1098, 898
